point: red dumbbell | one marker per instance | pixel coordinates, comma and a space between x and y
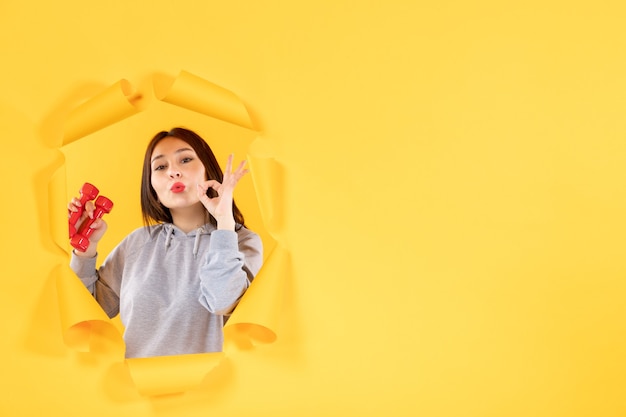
81, 239
87, 193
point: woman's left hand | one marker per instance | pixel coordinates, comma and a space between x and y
221, 207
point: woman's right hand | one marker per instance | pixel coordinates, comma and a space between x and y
99, 226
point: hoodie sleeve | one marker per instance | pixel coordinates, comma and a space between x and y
231, 264
103, 283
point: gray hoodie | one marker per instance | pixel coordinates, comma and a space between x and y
172, 289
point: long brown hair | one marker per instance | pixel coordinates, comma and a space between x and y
152, 210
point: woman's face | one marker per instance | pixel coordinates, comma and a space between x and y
175, 172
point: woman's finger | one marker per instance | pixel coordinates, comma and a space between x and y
97, 224
210, 184
241, 168
90, 207
229, 164
74, 204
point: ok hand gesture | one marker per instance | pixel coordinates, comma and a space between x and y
221, 207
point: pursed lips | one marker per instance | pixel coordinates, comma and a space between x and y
178, 187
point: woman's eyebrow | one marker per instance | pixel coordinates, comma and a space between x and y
178, 151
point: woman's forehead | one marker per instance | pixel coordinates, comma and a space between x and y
170, 145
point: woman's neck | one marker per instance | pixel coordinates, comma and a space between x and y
190, 218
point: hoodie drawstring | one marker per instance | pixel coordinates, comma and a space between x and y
168, 236
169, 233
196, 243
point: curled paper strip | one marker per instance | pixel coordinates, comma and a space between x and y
268, 182
85, 325
109, 107
86, 328
257, 316
194, 93
57, 190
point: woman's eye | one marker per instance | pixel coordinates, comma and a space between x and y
159, 167
185, 160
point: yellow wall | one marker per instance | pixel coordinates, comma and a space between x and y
454, 197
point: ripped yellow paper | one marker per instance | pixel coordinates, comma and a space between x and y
85, 325
194, 93
257, 316
57, 190
110, 106
82, 319
267, 177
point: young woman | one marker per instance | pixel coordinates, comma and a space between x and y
175, 280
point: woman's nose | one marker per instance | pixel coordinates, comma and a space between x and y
174, 173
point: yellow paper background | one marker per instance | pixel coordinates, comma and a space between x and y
452, 201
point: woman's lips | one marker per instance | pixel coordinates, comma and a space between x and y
179, 187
